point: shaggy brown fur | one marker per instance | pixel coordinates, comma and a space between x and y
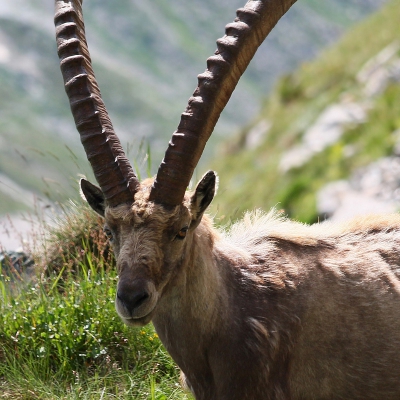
269, 309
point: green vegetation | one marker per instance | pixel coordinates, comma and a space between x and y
60, 337
251, 178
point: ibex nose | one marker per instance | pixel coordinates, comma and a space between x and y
132, 300
134, 295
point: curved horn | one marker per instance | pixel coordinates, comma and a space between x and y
103, 148
215, 86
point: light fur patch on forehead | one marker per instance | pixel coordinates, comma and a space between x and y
144, 210
123, 212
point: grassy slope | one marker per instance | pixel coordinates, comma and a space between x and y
249, 178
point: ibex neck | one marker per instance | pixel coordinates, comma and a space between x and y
198, 288
197, 303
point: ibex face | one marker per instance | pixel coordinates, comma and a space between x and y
150, 243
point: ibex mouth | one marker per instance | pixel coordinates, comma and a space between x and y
138, 321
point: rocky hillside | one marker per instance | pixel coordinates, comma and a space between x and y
324, 123
146, 55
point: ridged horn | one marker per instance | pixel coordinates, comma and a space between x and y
234, 52
103, 148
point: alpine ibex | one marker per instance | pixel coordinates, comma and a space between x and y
271, 309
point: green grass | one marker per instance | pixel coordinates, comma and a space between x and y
60, 337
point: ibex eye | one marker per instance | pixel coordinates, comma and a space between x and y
182, 233
108, 233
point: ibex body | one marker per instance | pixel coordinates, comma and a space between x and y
271, 309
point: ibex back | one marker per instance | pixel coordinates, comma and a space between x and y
271, 309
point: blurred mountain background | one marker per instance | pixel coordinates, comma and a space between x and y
146, 57
326, 143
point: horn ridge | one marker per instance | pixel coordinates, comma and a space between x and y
102, 146
215, 86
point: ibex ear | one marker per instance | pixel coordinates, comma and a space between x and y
202, 197
93, 195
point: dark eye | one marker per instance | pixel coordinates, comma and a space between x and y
108, 233
182, 233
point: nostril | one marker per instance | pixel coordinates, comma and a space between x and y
140, 298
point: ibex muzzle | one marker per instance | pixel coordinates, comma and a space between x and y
270, 309
136, 300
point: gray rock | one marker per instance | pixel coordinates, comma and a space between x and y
327, 130
370, 190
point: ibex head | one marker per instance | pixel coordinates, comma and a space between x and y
152, 224
150, 243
